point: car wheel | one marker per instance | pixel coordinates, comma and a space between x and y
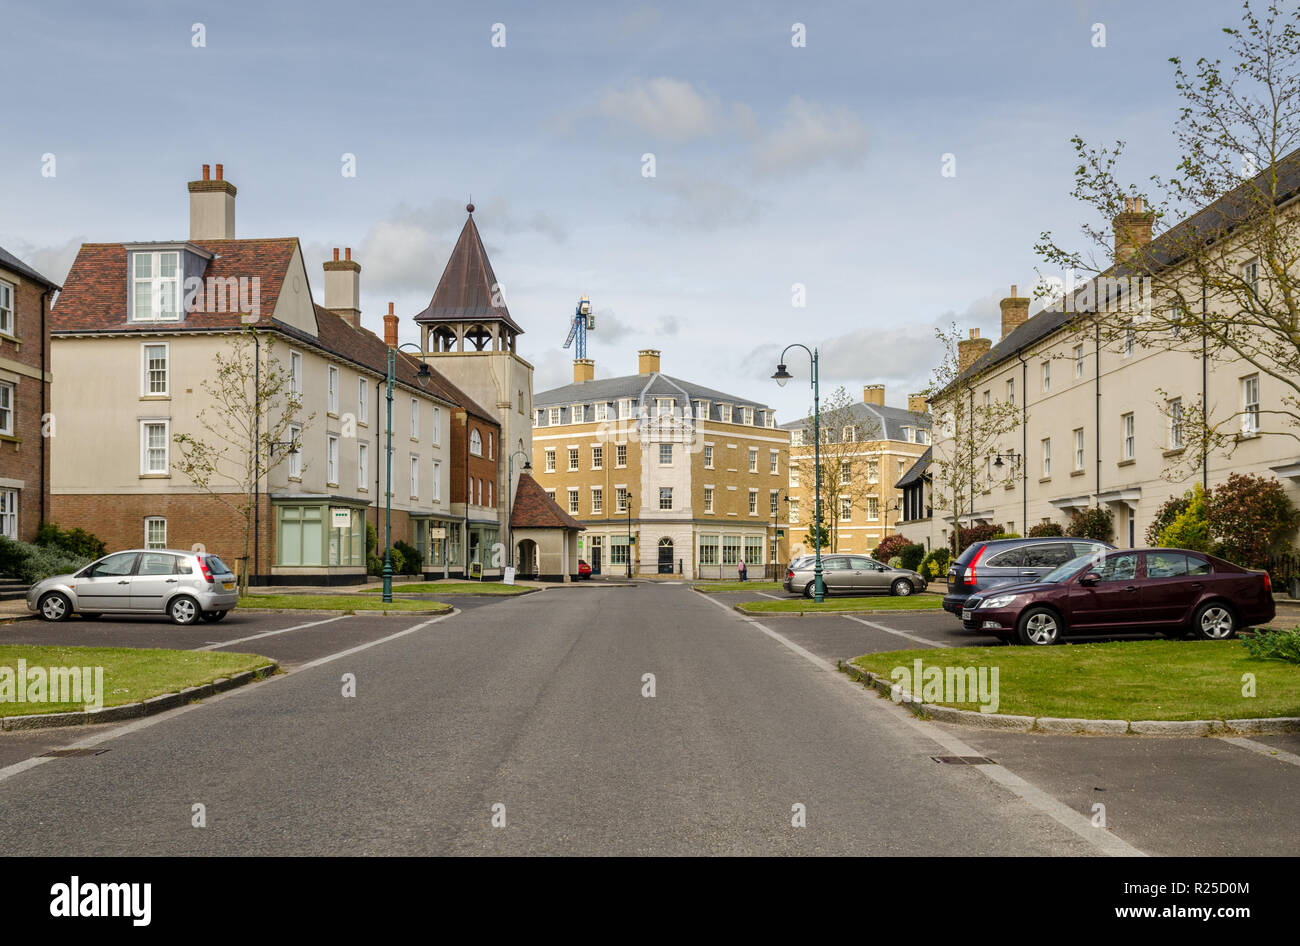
1214, 622
1040, 626
55, 606
808, 589
902, 588
212, 617
184, 610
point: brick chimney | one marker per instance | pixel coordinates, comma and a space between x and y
343, 287
390, 328
647, 361
584, 369
918, 404
1132, 228
212, 207
1015, 312
873, 394
970, 350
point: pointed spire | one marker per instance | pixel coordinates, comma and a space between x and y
468, 288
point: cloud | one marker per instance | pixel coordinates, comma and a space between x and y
702, 202
664, 108
811, 134
52, 262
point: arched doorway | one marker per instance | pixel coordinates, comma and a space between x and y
526, 555
666, 556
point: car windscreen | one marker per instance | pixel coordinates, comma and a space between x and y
1069, 568
217, 566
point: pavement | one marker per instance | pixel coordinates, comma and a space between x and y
536, 704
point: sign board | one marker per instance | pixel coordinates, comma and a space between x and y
342, 518
438, 533
509, 578
780, 533
476, 570
631, 540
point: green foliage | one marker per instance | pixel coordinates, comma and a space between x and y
1171, 509
976, 533
1190, 529
890, 546
398, 561
75, 542
372, 540
811, 541
374, 565
1045, 530
1251, 517
935, 565
410, 556
30, 563
911, 555
1097, 523
1274, 644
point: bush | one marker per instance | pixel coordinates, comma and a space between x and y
1251, 517
398, 560
1275, 645
76, 542
910, 557
1190, 529
1044, 530
1170, 510
374, 565
30, 563
935, 565
372, 541
1096, 523
890, 546
895, 562
975, 533
410, 556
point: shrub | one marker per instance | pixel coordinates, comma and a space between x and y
1097, 523
398, 561
890, 546
372, 540
374, 565
410, 556
1251, 517
30, 563
1170, 510
1190, 529
1045, 529
1274, 644
935, 565
975, 533
895, 562
76, 542
910, 557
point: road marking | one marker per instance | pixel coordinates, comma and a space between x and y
1063, 814
283, 630
890, 630
766, 595
1264, 748
136, 725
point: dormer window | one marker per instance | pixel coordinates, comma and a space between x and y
848, 435
156, 286
664, 407
724, 413
476, 443
796, 438
701, 410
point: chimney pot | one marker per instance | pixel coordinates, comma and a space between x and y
1015, 312
206, 171
336, 253
647, 361
970, 350
1013, 290
347, 254
212, 206
343, 288
220, 172
390, 328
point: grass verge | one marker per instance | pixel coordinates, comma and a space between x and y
345, 603
1133, 680
712, 586
454, 588
129, 674
832, 605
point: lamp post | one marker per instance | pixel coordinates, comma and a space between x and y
781, 377
422, 377
627, 504
510, 504
776, 527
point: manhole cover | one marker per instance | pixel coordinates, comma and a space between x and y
72, 753
962, 760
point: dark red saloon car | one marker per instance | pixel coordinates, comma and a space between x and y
1171, 592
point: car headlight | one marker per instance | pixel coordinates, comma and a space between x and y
1001, 601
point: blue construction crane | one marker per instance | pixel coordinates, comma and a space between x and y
583, 322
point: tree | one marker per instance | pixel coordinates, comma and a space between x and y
811, 538
968, 433
249, 404
1225, 283
1252, 518
849, 470
890, 546
1097, 523
1190, 528
1043, 530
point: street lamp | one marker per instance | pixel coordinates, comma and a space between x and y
627, 505
781, 377
776, 527
510, 480
999, 457
422, 377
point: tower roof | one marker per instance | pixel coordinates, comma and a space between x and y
465, 291
534, 509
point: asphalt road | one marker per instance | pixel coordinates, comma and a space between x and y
536, 704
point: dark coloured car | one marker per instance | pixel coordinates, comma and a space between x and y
1171, 592
983, 566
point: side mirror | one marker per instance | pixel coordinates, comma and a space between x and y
1090, 579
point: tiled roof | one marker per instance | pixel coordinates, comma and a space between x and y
534, 509
871, 419
917, 470
465, 291
15, 265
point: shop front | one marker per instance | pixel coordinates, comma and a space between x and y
319, 540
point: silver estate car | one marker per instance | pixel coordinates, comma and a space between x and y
853, 575
185, 586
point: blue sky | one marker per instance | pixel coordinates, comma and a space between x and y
775, 165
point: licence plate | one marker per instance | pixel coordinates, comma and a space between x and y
965, 615
228, 585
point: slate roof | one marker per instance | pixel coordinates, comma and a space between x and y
917, 469
872, 419
15, 265
464, 293
534, 509
649, 386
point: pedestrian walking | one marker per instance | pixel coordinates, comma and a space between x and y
741, 566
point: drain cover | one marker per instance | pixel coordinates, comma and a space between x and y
962, 760
71, 753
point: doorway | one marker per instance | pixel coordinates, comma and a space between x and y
597, 547
665, 556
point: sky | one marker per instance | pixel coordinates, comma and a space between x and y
775, 165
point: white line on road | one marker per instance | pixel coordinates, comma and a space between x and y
890, 630
283, 630
1264, 748
1100, 838
766, 595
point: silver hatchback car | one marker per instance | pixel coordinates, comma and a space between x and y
852, 575
185, 586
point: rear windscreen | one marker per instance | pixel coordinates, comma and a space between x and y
965, 557
217, 566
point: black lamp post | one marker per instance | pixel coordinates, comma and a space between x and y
422, 377
781, 377
627, 496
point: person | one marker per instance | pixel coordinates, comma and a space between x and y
741, 566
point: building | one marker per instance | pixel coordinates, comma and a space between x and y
917, 507
141, 327
866, 448
545, 536
665, 474
25, 373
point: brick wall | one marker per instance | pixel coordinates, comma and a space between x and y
23, 460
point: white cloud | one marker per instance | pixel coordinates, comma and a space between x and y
663, 107
811, 134
52, 262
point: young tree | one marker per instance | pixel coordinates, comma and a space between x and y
250, 404
968, 433
1224, 283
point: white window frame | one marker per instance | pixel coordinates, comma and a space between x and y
437, 425
437, 481
597, 501
849, 435
620, 499
295, 457
620, 455
794, 511
332, 389
295, 372
774, 462
8, 399
574, 501
796, 438
753, 459
413, 470
724, 413
708, 456
1250, 275
475, 443
1047, 456
1130, 341
166, 425
846, 509
9, 513
1078, 361
1128, 433
578, 414
415, 418
873, 509
575, 458
363, 464
1047, 377
665, 451
553, 420
1011, 391
1078, 449
666, 495
597, 457
8, 313
708, 499
549, 457
602, 411
153, 283
753, 502
331, 460
151, 521
1174, 409
846, 472
363, 400
1250, 404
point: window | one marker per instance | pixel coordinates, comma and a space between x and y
155, 370
773, 501
708, 499
476, 443
846, 473
873, 509
1128, 428
578, 413
302, 536
701, 410
549, 492
794, 512
295, 373
437, 425
665, 497
332, 390
6, 408
708, 550
708, 456
796, 438
332, 460
1250, 404
573, 459
620, 454
6, 308
597, 458
1011, 390
665, 453
664, 406
753, 459
1078, 361
907, 434
730, 549
363, 464
1047, 456
921, 436
773, 461
624, 408
724, 413
295, 455
747, 416
415, 477
156, 286
154, 445
873, 470
9, 513
620, 498
363, 402
846, 509
1047, 377
618, 550
573, 501
794, 474
848, 434
602, 411
988, 398
753, 550
597, 501
1250, 276
753, 502
550, 459
770, 421
155, 532
437, 481
1174, 409
415, 419
1130, 337
1078, 448
555, 416
537, 419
